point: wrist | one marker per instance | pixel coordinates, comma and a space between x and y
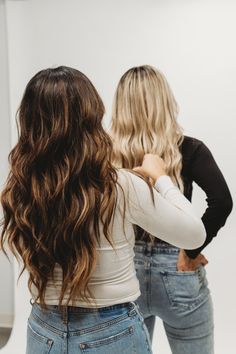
156, 176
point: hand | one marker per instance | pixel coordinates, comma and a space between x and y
153, 167
185, 263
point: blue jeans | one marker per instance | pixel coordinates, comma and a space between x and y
181, 299
113, 329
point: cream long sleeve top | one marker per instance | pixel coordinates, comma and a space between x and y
169, 217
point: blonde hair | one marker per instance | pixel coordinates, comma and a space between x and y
144, 120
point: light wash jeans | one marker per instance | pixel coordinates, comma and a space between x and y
117, 329
181, 299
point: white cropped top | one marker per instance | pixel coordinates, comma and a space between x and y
171, 218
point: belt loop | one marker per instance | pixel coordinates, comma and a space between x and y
64, 315
148, 249
132, 311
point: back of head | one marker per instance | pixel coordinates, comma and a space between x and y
61, 183
144, 120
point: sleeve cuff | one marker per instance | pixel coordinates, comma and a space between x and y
192, 253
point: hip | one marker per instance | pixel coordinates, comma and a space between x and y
86, 330
163, 286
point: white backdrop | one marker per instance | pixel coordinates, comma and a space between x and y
6, 303
191, 41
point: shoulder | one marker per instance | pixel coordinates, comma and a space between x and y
127, 177
192, 147
190, 143
131, 183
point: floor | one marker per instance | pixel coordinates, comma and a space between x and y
4, 335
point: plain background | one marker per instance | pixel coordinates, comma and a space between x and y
6, 276
191, 41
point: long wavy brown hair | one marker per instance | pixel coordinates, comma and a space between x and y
61, 184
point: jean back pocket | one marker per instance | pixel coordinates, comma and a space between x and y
117, 343
37, 343
186, 289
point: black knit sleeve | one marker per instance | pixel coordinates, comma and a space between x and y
206, 173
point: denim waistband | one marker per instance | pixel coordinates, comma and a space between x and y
80, 319
155, 248
75, 309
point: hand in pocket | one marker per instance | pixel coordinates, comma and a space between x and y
186, 264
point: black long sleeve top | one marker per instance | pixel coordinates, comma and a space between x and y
200, 167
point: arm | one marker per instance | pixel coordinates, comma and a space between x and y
168, 216
208, 176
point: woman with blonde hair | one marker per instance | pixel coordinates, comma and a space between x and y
172, 280
69, 215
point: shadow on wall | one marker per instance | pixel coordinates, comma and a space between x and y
6, 305
4, 336
22, 307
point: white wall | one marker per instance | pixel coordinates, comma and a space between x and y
191, 41
6, 276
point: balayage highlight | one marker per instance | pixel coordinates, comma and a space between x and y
144, 120
61, 184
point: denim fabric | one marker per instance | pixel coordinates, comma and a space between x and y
114, 329
181, 299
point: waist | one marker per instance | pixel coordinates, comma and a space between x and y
142, 236
36, 308
154, 247
107, 289
79, 320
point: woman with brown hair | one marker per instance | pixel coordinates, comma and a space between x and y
69, 215
173, 281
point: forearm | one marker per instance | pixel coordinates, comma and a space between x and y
171, 217
213, 219
205, 172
